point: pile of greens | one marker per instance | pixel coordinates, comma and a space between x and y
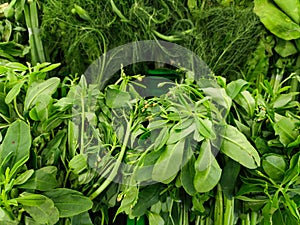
184, 153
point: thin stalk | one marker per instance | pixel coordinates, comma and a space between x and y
36, 33
229, 211
247, 222
218, 212
294, 86
115, 170
34, 56
253, 218
16, 109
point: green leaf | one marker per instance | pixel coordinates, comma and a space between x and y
236, 146
283, 99
49, 68
155, 219
274, 165
40, 208
16, 66
229, 176
5, 219
286, 129
245, 100
235, 87
116, 98
290, 8
208, 171
43, 179
169, 163
148, 196
78, 163
205, 128
22, 178
187, 176
17, 142
285, 48
12, 94
276, 21
81, 219
69, 202
47, 87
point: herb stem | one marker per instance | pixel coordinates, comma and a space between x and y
115, 170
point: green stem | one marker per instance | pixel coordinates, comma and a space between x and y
115, 170
229, 211
218, 213
34, 56
253, 218
36, 33
16, 109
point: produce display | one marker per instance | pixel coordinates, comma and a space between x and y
146, 112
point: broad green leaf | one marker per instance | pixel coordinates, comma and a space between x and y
276, 21
12, 94
148, 196
274, 165
69, 202
219, 96
245, 100
169, 163
208, 171
81, 219
78, 163
286, 129
205, 128
285, 48
236, 146
17, 142
283, 99
47, 87
155, 219
40, 208
229, 176
235, 87
290, 8
178, 135
43, 179
187, 176
116, 98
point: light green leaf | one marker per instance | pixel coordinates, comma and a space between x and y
22, 178
208, 171
43, 179
235, 87
290, 8
78, 163
276, 21
236, 146
40, 208
12, 94
274, 166
116, 98
17, 142
155, 219
69, 202
81, 219
16, 66
245, 100
47, 87
285, 128
169, 163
